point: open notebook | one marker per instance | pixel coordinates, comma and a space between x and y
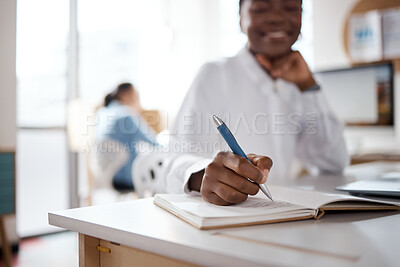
289, 204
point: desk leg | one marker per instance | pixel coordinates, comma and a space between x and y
89, 256
4, 243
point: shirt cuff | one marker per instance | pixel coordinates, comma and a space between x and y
195, 167
313, 101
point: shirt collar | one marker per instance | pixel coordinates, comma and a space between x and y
114, 103
253, 69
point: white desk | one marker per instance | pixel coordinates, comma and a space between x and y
341, 239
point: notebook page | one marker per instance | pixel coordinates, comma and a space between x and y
195, 205
311, 199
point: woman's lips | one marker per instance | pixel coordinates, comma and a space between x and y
275, 35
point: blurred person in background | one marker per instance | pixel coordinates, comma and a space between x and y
120, 120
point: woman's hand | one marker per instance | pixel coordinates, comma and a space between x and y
291, 67
225, 181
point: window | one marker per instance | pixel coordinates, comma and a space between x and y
42, 38
42, 165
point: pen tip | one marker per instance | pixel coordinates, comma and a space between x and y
217, 120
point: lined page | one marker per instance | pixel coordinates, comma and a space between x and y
314, 199
195, 205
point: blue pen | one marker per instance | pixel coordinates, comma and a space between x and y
233, 144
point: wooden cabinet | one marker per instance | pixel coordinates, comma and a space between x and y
95, 252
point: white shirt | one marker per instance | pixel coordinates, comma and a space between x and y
267, 117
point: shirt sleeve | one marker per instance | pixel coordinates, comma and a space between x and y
179, 171
321, 145
193, 137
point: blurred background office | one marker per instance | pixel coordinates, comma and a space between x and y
60, 58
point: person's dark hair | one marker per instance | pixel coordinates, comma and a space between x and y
242, 1
114, 95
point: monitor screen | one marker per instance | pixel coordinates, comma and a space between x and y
360, 95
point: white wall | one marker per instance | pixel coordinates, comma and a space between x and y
329, 53
7, 75
329, 21
396, 82
8, 90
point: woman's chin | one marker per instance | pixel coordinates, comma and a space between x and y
275, 53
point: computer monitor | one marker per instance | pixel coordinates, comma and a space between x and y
360, 95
